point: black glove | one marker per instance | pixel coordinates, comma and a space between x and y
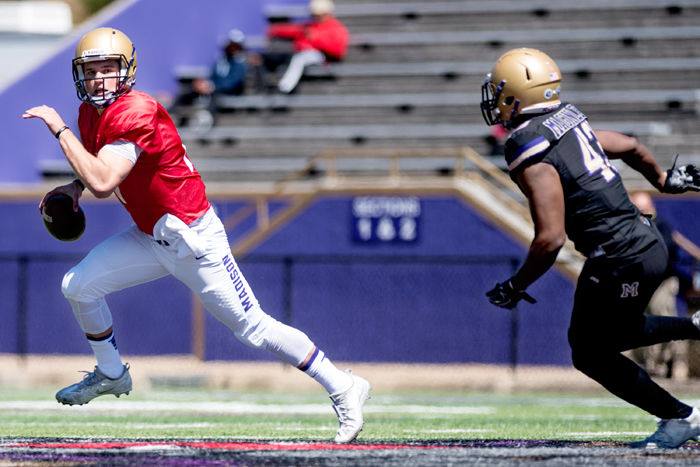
505, 295
682, 179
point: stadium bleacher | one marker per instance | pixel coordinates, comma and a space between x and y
413, 73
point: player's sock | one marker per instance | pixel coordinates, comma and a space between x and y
108, 359
328, 375
293, 346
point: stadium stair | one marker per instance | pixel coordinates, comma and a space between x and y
413, 72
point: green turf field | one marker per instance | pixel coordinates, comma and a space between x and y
396, 417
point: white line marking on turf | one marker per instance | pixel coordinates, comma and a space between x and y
594, 434
233, 408
116, 424
454, 430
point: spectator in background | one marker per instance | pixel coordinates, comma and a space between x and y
227, 78
229, 71
662, 359
323, 39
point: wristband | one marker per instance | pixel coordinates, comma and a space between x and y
80, 183
63, 128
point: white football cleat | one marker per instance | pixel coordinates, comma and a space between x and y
696, 319
348, 407
95, 384
672, 433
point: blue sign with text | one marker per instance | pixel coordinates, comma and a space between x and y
386, 219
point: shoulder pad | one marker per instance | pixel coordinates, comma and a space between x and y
525, 147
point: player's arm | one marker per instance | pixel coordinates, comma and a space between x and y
101, 174
633, 153
287, 30
541, 185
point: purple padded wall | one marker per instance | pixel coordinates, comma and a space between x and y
426, 311
430, 308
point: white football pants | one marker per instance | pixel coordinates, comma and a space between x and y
133, 257
299, 61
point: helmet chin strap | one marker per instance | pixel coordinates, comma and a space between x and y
511, 121
102, 100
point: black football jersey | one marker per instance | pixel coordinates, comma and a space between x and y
600, 218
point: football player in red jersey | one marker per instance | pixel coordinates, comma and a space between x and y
562, 166
129, 146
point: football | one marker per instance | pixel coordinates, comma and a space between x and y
60, 219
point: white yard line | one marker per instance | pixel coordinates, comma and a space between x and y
451, 431
115, 424
596, 434
122, 406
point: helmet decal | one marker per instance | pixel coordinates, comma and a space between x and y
93, 52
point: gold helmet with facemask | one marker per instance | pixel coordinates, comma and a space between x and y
104, 44
523, 82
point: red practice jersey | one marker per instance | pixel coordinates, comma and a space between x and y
163, 180
329, 36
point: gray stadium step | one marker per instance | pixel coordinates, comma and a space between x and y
457, 45
589, 66
588, 35
464, 76
414, 69
288, 148
303, 141
460, 108
574, 15
492, 50
308, 133
346, 10
472, 84
617, 96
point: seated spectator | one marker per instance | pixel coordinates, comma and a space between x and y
227, 77
665, 359
323, 39
229, 71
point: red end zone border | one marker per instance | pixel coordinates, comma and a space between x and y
231, 446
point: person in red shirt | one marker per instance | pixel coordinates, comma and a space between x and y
129, 146
323, 39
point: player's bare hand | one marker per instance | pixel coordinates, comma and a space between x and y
71, 189
51, 118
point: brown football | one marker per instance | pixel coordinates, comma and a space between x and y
60, 219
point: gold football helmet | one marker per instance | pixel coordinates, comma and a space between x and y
104, 44
523, 81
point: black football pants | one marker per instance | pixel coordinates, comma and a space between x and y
608, 318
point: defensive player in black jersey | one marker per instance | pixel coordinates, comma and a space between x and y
562, 166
